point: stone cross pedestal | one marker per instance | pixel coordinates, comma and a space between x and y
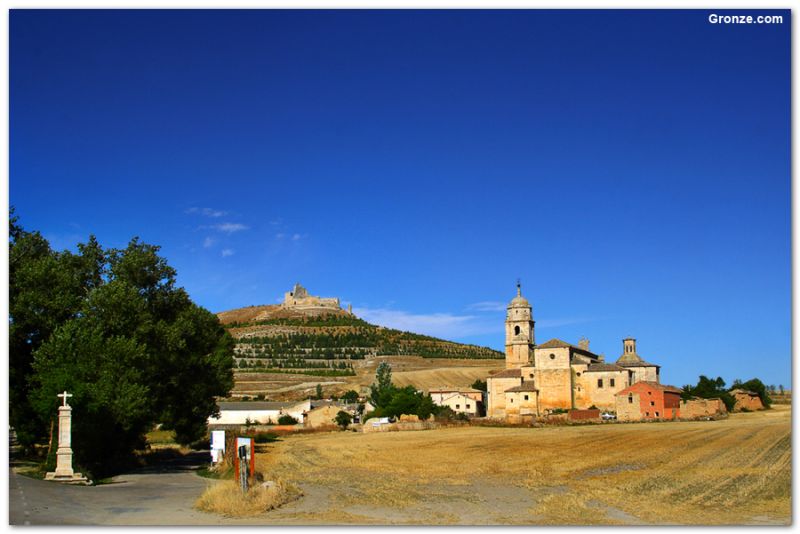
64, 472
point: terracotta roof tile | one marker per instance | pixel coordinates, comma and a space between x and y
507, 373
526, 386
597, 367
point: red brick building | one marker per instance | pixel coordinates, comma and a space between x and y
648, 400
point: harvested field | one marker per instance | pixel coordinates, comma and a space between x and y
422, 373
733, 471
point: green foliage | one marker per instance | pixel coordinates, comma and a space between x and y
757, 386
112, 329
708, 388
479, 385
382, 390
350, 396
343, 419
319, 392
287, 419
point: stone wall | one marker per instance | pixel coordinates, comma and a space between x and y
496, 395
746, 400
702, 408
629, 407
603, 397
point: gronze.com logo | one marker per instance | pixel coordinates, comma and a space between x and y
713, 18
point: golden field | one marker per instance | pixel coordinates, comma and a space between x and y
733, 471
423, 373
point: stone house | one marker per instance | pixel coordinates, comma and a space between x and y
746, 400
460, 400
648, 400
557, 374
460, 403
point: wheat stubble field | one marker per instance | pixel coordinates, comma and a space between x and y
734, 471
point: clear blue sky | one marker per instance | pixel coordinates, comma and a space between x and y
631, 167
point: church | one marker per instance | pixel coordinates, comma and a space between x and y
557, 374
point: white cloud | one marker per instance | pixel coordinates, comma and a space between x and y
208, 212
298, 237
229, 227
208, 242
227, 252
443, 325
488, 305
280, 236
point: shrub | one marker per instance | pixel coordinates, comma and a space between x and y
287, 419
265, 437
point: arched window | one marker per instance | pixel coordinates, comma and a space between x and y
516, 330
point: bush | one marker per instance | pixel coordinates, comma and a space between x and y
265, 437
287, 419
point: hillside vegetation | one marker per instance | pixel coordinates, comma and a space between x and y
330, 344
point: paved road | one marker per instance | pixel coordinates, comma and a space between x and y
155, 496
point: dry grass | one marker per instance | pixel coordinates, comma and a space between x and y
734, 471
226, 498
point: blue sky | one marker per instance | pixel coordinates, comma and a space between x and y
631, 167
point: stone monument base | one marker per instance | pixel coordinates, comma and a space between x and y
75, 478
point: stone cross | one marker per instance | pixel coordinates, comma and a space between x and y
64, 396
64, 472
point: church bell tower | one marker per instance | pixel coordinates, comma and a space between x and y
519, 332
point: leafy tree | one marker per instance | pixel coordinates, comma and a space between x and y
382, 390
112, 328
350, 396
343, 419
479, 385
780, 387
707, 388
319, 391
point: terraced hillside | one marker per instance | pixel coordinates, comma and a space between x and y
282, 353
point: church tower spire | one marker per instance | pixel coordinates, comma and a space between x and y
519, 331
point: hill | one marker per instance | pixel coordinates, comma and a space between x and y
283, 353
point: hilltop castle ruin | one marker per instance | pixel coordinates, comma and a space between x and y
299, 299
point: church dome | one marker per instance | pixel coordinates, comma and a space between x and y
519, 301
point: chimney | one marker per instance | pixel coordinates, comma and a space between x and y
583, 343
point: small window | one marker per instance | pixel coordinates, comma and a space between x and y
526, 397
467, 406
510, 400
652, 403
552, 356
599, 382
647, 414
612, 383
649, 392
531, 375
578, 374
656, 414
516, 330
630, 399
458, 407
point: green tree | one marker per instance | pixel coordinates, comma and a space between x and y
116, 332
382, 390
479, 384
343, 419
350, 396
319, 392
